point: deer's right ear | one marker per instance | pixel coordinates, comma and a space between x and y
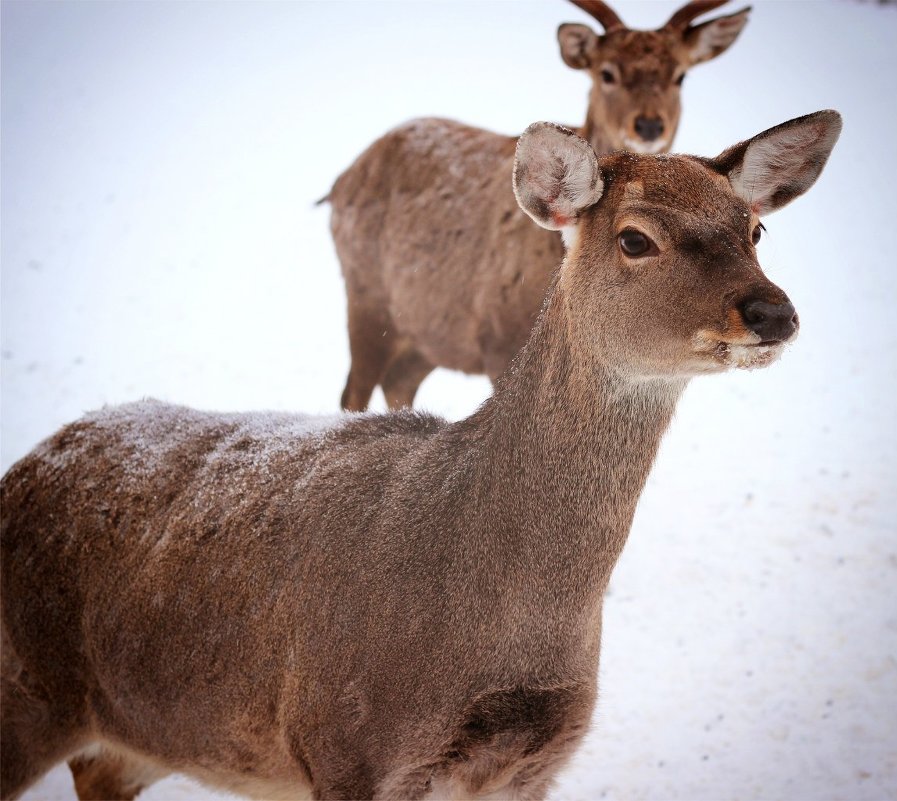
579, 45
556, 175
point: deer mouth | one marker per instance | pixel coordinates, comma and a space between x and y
742, 355
748, 356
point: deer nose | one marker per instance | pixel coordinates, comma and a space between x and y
649, 128
772, 322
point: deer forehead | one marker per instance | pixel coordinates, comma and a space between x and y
674, 192
641, 54
677, 178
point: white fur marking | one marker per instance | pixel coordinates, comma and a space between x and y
641, 146
570, 235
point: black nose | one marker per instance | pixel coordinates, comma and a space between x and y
649, 128
772, 322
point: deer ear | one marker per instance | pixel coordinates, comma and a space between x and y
579, 45
782, 163
709, 39
556, 175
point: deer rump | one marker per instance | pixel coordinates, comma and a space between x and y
228, 595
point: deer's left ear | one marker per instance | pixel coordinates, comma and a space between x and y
709, 39
556, 175
782, 163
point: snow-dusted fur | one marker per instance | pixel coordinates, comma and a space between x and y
441, 266
382, 606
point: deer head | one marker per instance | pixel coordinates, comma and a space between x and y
636, 76
665, 246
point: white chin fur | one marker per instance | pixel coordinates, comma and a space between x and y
640, 146
727, 355
749, 357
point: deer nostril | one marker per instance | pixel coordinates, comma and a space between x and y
649, 128
772, 322
753, 314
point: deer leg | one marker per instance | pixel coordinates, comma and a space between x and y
535, 790
34, 737
111, 776
371, 340
404, 375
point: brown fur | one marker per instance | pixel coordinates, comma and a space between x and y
441, 266
386, 606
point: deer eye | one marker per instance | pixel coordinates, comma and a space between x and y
634, 243
757, 233
607, 76
680, 79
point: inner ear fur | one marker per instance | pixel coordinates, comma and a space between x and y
556, 175
579, 45
780, 164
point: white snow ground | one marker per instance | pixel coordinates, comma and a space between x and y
160, 161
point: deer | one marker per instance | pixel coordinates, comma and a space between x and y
389, 606
441, 267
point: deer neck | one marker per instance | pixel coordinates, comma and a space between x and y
565, 446
593, 131
594, 134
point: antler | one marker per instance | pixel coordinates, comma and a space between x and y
603, 13
681, 19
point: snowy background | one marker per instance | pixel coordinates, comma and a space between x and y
159, 166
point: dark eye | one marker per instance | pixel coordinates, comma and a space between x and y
680, 79
634, 243
607, 76
757, 233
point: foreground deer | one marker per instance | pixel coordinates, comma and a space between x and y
388, 606
441, 266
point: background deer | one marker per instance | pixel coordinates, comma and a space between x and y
388, 606
441, 266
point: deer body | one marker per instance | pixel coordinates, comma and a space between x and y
463, 287
307, 653
387, 606
441, 266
